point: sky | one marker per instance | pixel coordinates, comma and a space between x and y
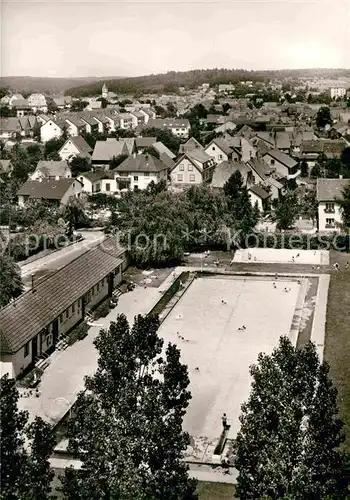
131, 38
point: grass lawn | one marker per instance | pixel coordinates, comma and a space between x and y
337, 342
215, 491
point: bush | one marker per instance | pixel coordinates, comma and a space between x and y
78, 333
102, 310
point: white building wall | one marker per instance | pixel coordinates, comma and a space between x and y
50, 131
323, 215
186, 173
68, 151
215, 152
254, 198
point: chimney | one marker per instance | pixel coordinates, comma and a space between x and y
134, 155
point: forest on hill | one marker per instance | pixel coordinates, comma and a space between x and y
46, 85
170, 81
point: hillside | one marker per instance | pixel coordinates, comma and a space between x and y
46, 85
172, 79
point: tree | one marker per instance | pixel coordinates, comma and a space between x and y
79, 164
323, 117
167, 138
25, 450
52, 147
243, 211
116, 161
103, 101
345, 159
78, 105
127, 426
286, 210
74, 214
304, 168
11, 285
288, 444
151, 151
345, 206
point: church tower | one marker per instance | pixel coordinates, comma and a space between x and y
105, 91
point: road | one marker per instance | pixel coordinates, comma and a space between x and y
60, 258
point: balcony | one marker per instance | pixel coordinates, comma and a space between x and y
329, 210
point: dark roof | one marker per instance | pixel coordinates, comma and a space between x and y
145, 142
259, 191
106, 150
25, 317
222, 144
224, 170
162, 149
97, 176
11, 124
141, 163
331, 189
190, 144
327, 146
47, 188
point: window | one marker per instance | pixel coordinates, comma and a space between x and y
73, 308
108, 186
136, 178
103, 283
181, 167
190, 168
79, 303
220, 157
98, 187
61, 318
272, 161
97, 287
49, 340
136, 188
192, 178
329, 207
330, 223
67, 313
213, 148
26, 349
179, 177
146, 174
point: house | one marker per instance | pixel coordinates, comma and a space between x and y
33, 324
224, 87
14, 98
258, 196
194, 167
91, 125
285, 166
105, 151
220, 150
6, 167
75, 146
192, 143
337, 92
227, 125
51, 170
162, 149
127, 120
225, 169
137, 171
51, 129
37, 102
328, 194
75, 125
139, 118
180, 127
310, 150
57, 192
27, 123
148, 113
62, 102
22, 107
263, 174
93, 104
98, 182
143, 143
9, 128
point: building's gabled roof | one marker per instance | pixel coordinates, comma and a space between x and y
75, 120
50, 168
106, 150
34, 310
314, 146
97, 176
21, 103
11, 124
89, 119
331, 189
129, 144
162, 149
224, 170
141, 163
169, 162
222, 144
191, 143
80, 143
145, 142
186, 156
168, 123
199, 155
259, 191
260, 167
47, 189
282, 158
